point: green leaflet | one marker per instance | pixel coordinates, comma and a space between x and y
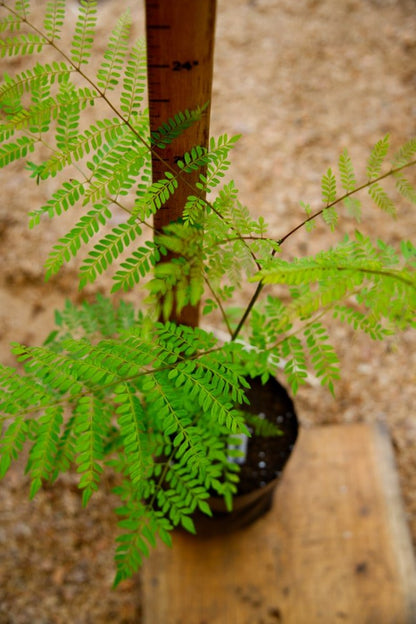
405, 188
15, 150
172, 128
40, 463
134, 81
114, 167
71, 243
155, 196
111, 387
137, 266
22, 8
380, 197
90, 426
348, 179
21, 44
323, 357
296, 367
67, 124
31, 78
329, 187
60, 202
80, 145
218, 163
107, 250
377, 156
406, 153
54, 18
84, 32
12, 443
109, 73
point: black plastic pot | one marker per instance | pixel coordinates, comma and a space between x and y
264, 461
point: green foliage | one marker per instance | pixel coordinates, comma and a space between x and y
377, 156
138, 389
329, 187
111, 68
175, 126
108, 250
54, 19
134, 81
84, 32
23, 43
15, 150
113, 389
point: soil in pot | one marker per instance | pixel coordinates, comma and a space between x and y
265, 458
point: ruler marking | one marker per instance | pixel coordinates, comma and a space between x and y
172, 52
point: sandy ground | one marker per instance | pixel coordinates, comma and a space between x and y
301, 81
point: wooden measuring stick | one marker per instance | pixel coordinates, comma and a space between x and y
180, 44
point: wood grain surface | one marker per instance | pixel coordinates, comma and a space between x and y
335, 547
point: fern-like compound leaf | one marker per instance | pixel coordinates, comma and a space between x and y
322, 355
30, 78
405, 188
330, 216
134, 81
41, 99
19, 393
131, 418
84, 32
99, 318
14, 150
22, 8
60, 202
43, 451
405, 154
67, 122
346, 170
55, 370
193, 160
6, 131
155, 196
141, 526
218, 162
22, 44
69, 245
359, 320
377, 157
175, 126
110, 71
12, 442
137, 266
106, 130
10, 23
194, 210
381, 199
107, 250
296, 367
54, 19
329, 187
91, 420
113, 166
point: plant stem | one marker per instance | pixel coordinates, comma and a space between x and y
280, 242
345, 196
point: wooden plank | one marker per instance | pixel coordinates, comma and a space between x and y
335, 547
180, 56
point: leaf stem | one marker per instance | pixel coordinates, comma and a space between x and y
280, 242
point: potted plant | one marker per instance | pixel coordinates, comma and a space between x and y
158, 403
